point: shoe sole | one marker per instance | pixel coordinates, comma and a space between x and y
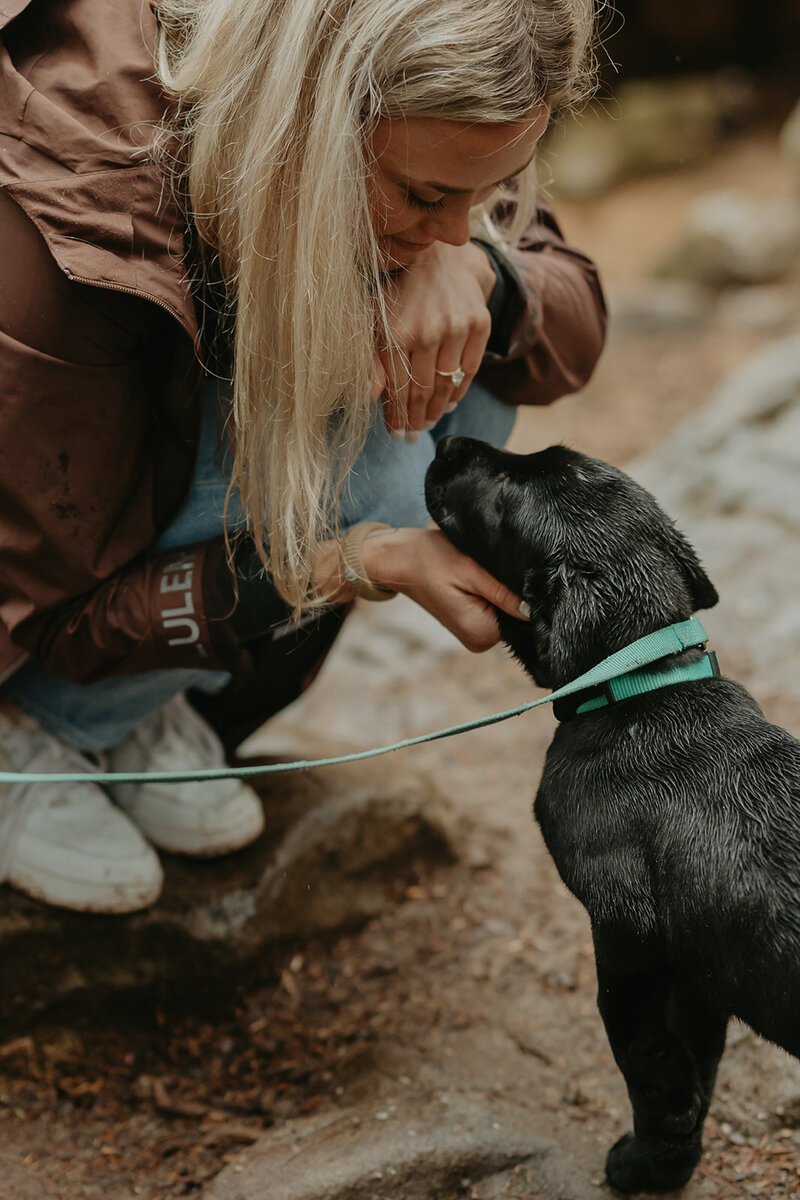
81, 896
195, 843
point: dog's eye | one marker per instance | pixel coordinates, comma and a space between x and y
497, 494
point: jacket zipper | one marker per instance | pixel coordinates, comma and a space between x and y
129, 291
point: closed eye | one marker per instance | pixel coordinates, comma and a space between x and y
425, 205
497, 492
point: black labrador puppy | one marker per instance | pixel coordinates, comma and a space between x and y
674, 816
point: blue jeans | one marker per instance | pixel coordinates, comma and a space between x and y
386, 484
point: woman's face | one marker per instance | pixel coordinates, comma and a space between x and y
429, 174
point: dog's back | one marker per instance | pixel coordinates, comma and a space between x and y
675, 820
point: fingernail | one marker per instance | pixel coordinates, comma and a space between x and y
451, 407
525, 608
399, 435
429, 425
412, 436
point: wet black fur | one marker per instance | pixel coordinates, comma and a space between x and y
673, 817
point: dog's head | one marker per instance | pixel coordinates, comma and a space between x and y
590, 551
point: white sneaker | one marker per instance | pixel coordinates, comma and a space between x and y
67, 844
204, 819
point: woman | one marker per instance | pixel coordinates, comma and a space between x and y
312, 221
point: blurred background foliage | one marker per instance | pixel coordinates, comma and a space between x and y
678, 79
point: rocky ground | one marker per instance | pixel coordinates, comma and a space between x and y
450, 1049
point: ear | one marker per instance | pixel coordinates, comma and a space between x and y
531, 640
701, 589
703, 592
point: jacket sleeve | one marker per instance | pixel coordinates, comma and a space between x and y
97, 455
550, 328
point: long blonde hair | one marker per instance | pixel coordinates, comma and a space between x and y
275, 103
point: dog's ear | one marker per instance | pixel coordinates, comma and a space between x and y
701, 590
531, 640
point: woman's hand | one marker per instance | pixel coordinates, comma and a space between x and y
424, 565
440, 321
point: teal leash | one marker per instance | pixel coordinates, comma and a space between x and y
616, 667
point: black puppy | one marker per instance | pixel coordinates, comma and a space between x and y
674, 816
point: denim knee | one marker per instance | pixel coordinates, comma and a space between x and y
387, 482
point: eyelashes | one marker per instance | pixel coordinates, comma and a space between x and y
507, 185
424, 205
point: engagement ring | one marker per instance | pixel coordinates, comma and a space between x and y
456, 376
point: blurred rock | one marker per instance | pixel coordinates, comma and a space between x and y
674, 305
763, 309
730, 477
730, 239
583, 156
399, 637
648, 126
340, 842
661, 305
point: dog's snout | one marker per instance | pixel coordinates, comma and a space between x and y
455, 446
447, 448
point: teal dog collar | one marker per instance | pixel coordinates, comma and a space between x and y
635, 675
637, 683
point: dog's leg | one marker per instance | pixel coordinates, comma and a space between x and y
667, 1046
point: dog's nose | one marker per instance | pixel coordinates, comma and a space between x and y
448, 447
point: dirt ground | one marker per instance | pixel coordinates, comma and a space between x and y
477, 976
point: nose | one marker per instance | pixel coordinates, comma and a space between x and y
451, 225
448, 448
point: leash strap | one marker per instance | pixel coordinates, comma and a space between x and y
637, 683
641, 653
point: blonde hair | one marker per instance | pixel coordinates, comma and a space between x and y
275, 103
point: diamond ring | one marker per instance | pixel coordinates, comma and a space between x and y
456, 377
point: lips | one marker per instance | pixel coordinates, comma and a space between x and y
411, 245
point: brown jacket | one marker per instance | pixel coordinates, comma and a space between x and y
99, 355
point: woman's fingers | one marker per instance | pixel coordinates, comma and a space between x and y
417, 397
452, 587
420, 402
423, 383
432, 387
449, 363
472, 352
440, 325
503, 597
472, 617
482, 596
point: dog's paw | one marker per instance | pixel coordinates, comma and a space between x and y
629, 1168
